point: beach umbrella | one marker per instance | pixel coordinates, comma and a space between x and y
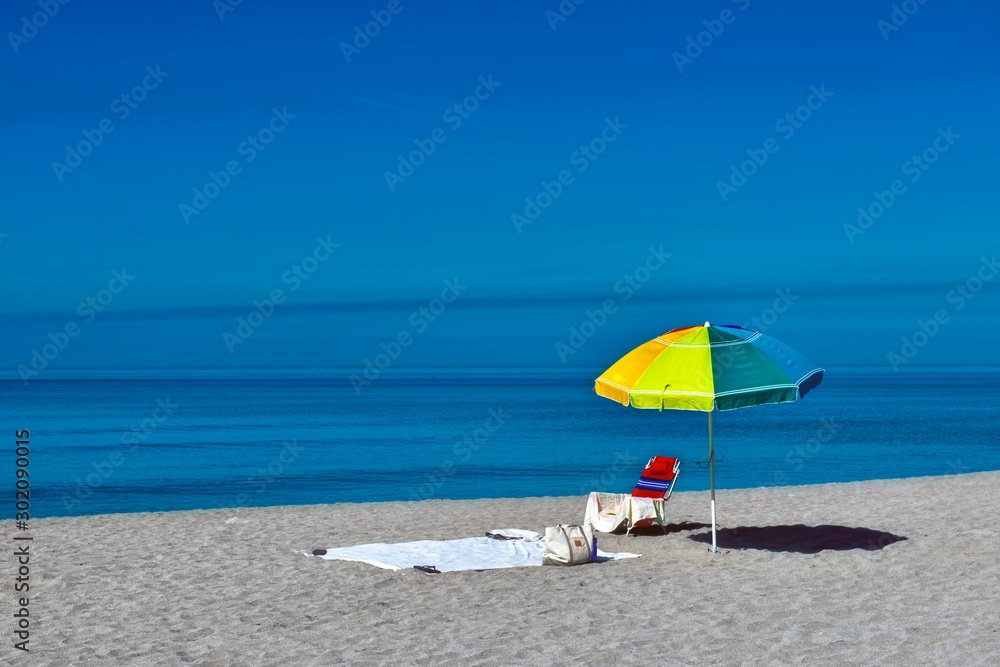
708, 368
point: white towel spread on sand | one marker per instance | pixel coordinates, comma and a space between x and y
471, 553
607, 511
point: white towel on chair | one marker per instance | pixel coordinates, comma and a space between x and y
607, 511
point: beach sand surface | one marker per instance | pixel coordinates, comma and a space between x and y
890, 572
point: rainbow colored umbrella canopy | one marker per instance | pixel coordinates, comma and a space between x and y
709, 367
706, 367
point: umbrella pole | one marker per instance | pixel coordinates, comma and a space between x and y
711, 473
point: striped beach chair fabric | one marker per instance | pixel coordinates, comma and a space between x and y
657, 480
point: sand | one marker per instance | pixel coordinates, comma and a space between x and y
895, 572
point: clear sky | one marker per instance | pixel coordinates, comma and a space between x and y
548, 165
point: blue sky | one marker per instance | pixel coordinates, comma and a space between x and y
210, 87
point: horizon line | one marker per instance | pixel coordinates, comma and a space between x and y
344, 373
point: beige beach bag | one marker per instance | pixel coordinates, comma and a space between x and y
569, 544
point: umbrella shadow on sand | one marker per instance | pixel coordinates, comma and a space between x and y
800, 539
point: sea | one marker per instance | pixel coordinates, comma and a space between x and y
158, 441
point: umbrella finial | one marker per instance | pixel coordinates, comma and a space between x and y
707, 324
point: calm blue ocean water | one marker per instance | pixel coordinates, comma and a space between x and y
129, 445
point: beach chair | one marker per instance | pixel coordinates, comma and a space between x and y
643, 507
